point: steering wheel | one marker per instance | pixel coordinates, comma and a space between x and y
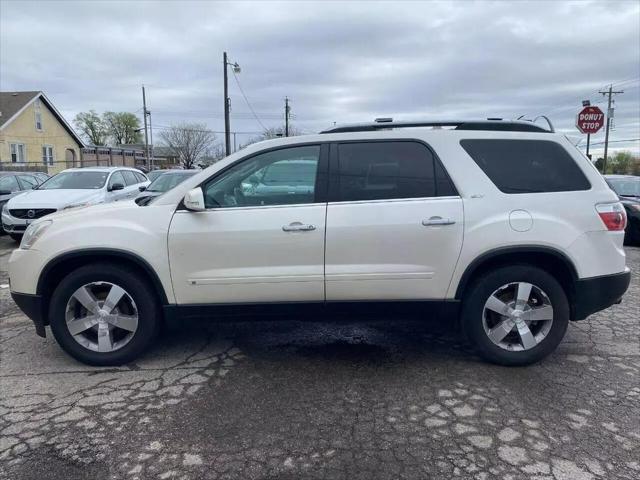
238, 195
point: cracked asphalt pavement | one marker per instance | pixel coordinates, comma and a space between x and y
349, 400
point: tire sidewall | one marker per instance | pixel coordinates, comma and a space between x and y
148, 314
483, 287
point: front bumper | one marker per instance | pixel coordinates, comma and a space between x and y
11, 224
33, 307
597, 293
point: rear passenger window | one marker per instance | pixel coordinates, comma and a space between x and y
527, 166
385, 170
130, 177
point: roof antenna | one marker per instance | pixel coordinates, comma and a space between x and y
551, 129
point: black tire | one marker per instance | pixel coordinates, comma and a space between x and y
16, 237
632, 234
484, 286
149, 313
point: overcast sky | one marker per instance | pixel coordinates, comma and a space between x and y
336, 61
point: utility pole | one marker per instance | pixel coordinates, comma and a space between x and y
608, 93
146, 133
227, 134
287, 109
151, 138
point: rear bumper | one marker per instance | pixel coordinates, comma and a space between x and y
597, 293
32, 307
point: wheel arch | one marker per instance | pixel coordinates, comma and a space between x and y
549, 259
61, 265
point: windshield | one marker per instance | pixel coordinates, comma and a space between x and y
76, 181
625, 187
167, 181
155, 174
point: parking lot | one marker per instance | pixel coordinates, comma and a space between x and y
401, 399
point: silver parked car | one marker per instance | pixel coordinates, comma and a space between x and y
163, 183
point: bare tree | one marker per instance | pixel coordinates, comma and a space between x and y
189, 141
273, 132
211, 155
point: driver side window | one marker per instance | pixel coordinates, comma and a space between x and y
116, 178
281, 177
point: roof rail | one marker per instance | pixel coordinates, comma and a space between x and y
491, 124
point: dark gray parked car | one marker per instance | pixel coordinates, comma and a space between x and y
15, 183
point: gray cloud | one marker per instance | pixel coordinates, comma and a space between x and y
337, 61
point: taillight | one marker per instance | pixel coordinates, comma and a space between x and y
613, 215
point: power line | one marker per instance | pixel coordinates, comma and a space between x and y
168, 127
247, 100
628, 80
203, 113
628, 140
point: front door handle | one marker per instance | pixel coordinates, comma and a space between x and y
298, 227
435, 221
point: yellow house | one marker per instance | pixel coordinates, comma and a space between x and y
34, 135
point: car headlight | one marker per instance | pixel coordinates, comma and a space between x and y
76, 205
5, 208
33, 232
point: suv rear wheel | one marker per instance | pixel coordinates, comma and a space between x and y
515, 315
104, 314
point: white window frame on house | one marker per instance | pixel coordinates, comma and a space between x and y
38, 114
16, 146
48, 157
39, 121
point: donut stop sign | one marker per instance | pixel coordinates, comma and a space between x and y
590, 120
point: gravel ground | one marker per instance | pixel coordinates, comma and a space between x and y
290, 400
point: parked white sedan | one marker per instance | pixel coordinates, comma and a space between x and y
71, 188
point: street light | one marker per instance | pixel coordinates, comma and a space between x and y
227, 101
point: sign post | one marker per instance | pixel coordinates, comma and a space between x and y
590, 120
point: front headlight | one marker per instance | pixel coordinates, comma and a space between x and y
5, 208
76, 205
33, 232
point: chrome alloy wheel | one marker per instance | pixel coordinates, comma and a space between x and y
517, 316
101, 316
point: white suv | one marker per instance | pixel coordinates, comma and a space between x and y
71, 188
504, 225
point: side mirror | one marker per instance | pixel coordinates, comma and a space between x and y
116, 186
194, 200
142, 188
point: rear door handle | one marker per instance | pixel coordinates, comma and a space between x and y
434, 221
298, 227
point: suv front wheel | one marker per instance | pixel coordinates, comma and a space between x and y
103, 314
515, 315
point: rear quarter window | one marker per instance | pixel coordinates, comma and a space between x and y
527, 166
